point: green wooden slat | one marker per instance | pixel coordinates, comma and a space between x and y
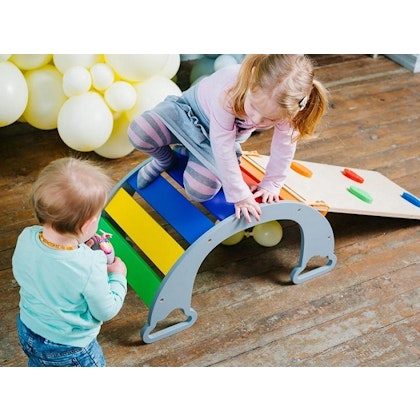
140, 276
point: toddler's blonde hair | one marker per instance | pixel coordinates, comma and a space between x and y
68, 192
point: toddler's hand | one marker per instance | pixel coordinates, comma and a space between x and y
118, 266
248, 207
266, 196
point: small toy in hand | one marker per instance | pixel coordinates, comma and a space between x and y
102, 242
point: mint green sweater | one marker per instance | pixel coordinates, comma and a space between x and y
65, 295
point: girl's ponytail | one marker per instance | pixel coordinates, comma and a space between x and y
307, 119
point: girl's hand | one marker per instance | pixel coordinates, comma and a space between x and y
248, 207
266, 196
118, 266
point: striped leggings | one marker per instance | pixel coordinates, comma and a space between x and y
150, 135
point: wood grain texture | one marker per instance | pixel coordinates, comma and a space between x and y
366, 312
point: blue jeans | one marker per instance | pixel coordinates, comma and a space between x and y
44, 353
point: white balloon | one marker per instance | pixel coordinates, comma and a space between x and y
120, 96
30, 61
64, 61
102, 76
85, 122
46, 97
151, 92
117, 145
76, 80
224, 60
13, 93
137, 67
171, 67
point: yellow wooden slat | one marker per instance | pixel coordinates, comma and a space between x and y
147, 234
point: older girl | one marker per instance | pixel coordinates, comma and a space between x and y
214, 116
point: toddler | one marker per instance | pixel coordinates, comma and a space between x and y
67, 289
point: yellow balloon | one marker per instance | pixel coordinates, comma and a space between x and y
117, 145
137, 67
171, 67
151, 92
85, 122
120, 96
234, 239
30, 61
46, 97
13, 93
64, 61
102, 76
76, 80
268, 234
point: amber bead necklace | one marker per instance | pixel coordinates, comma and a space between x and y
55, 246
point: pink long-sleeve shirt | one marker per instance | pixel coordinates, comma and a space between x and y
225, 129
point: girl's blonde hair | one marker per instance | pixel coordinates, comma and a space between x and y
289, 80
68, 192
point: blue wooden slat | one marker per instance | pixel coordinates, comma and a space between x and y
217, 206
180, 213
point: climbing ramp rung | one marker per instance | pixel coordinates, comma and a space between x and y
172, 206
144, 231
140, 275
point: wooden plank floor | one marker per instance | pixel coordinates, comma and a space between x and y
366, 312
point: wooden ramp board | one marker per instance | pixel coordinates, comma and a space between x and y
375, 196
